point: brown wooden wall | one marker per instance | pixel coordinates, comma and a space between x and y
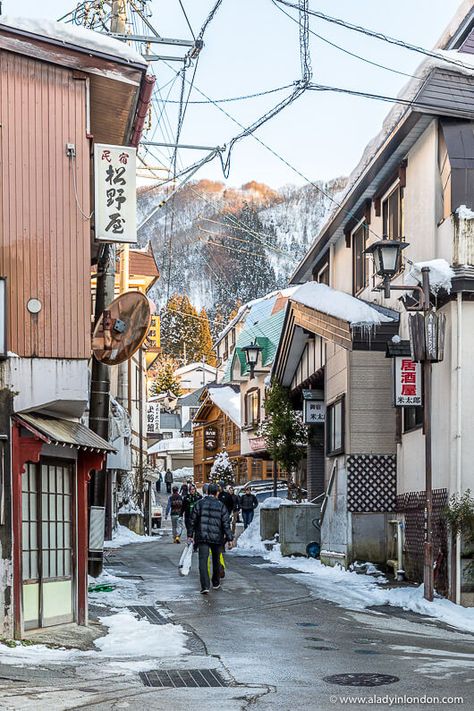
44, 240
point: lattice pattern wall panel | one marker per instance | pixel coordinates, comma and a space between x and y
412, 505
371, 482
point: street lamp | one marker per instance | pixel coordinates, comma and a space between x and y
251, 356
387, 258
387, 254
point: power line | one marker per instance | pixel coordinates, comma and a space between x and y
187, 19
236, 98
377, 35
343, 49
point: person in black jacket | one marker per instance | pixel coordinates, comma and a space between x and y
248, 504
189, 502
210, 527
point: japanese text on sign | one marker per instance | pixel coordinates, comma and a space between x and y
115, 193
408, 383
314, 412
153, 417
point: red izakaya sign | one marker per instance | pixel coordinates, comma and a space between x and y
408, 383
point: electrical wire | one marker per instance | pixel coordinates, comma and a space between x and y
187, 19
73, 166
343, 49
377, 35
208, 20
237, 98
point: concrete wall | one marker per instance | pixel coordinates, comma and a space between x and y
58, 386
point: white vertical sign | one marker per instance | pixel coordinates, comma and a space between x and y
153, 417
408, 383
115, 193
314, 412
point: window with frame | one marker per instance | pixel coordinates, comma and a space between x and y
252, 407
323, 275
335, 428
360, 261
412, 418
392, 214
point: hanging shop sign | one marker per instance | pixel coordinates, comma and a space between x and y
210, 438
257, 444
427, 336
314, 412
408, 383
153, 418
115, 193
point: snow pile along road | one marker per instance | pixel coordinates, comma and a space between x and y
123, 536
352, 590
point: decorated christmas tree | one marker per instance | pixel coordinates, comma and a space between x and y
222, 470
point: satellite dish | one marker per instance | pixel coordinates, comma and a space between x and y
122, 328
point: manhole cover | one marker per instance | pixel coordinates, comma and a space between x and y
178, 678
306, 624
149, 613
365, 651
361, 679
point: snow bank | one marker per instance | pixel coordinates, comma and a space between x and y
441, 274
338, 304
73, 35
228, 401
123, 536
176, 444
129, 637
182, 473
352, 590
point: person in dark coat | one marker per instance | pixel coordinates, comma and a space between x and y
168, 480
248, 504
175, 508
158, 483
232, 504
210, 528
189, 502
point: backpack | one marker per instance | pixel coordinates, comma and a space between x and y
176, 505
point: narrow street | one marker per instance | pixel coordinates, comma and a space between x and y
266, 636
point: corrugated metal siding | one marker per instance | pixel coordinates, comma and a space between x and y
44, 241
447, 93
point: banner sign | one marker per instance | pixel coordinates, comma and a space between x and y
314, 412
210, 438
153, 418
257, 444
408, 383
115, 193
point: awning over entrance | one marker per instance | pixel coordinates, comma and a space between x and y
332, 315
54, 430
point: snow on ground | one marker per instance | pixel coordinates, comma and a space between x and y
352, 590
138, 641
183, 473
123, 536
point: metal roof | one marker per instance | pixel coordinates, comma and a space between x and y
64, 432
170, 421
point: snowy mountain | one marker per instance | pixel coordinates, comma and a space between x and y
223, 245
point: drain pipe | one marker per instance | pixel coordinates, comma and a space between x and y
459, 436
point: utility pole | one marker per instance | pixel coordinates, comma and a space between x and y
101, 485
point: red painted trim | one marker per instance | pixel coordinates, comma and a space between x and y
24, 449
87, 461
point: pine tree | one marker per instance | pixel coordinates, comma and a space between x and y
180, 330
205, 344
222, 470
284, 433
164, 379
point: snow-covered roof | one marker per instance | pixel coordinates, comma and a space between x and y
338, 304
197, 365
174, 444
73, 35
227, 400
441, 274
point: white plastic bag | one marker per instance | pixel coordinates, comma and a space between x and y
186, 560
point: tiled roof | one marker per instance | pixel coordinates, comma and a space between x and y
143, 263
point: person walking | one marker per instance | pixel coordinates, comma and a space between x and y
189, 502
210, 529
158, 482
248, 504
175, 508
233, 503
184, 490
168, 480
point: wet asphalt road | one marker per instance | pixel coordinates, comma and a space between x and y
270, 638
